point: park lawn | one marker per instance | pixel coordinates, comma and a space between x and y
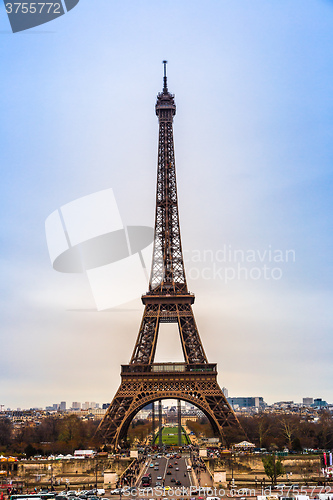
170, 436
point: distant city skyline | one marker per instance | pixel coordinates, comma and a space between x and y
233, 400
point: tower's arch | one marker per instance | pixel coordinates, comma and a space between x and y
198, 388
150, 399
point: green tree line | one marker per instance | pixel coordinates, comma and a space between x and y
57, 434
50, 435
293, 431
275, 431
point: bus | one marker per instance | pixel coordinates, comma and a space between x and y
146, 480
34, 496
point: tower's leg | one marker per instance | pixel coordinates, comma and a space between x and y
160, 423
179, 414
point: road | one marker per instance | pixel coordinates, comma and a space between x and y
167, 471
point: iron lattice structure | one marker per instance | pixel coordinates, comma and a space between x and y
167, 301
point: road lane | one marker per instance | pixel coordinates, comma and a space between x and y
189, 473
167, 471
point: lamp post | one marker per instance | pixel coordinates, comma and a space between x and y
232, 470
96, 469
52, 489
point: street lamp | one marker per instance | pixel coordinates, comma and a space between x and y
232, 470
52, 489
96, 475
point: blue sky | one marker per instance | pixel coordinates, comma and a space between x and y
253, 134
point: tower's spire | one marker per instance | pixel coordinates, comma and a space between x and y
165, 84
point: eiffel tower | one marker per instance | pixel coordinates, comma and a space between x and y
167, 301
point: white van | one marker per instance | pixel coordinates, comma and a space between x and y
188, 468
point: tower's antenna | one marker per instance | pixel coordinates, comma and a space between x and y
165, 85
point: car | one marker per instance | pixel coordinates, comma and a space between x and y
156, 468
178, 483
176, 463
177, 468
157, 464
170, 466
167, 488
159, 478
158, 483
168, 473
172, 480
151, 466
